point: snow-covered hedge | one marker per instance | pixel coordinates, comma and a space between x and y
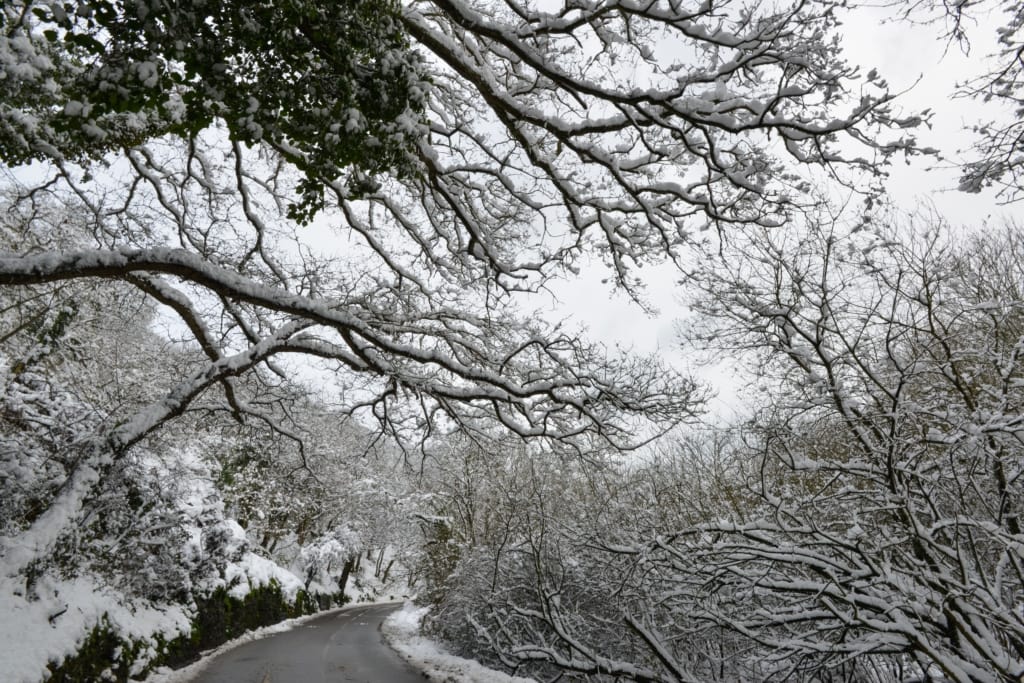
124, 644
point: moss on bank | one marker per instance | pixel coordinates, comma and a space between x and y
106, 656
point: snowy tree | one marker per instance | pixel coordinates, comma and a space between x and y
319, 499
544, 136
330, 87
632, 164
1000, 146
58, 392
863, 525
330, 558
510, 570
888, 469
997, 159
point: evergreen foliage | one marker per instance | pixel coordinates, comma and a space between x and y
104, 655
333, 86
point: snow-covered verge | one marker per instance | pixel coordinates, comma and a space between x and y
55, 625
58, 618
402, 632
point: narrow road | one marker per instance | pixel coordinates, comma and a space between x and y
341, 647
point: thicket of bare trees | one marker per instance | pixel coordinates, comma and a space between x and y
865, 525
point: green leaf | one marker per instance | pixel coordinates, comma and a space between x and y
87, 42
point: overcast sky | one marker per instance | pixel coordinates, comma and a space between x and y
908, 56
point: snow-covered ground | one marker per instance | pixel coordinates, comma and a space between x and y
402, 631
53, 624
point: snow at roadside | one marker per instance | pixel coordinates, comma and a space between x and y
54, 622
402, 632
367, 589
186, 674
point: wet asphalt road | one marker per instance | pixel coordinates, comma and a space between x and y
341, 647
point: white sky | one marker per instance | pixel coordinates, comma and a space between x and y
908, 56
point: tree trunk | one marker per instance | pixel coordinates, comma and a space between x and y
346, 571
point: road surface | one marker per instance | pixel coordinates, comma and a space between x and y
341, 647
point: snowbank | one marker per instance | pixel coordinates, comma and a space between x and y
402, 631
34, 632
252, 571
63, 612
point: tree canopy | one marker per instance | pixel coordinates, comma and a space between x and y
331, 87
494, 146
